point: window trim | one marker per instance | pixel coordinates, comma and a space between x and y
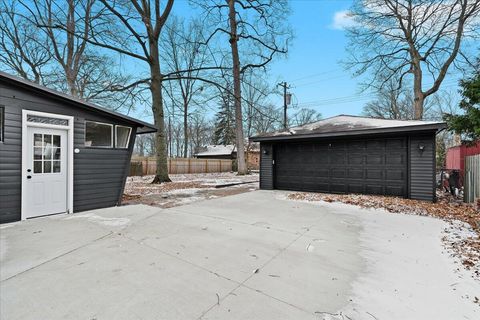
116, 136
102, 147
2, 123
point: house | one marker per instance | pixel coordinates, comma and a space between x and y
351, 154
252, 153
217, 152
58, 153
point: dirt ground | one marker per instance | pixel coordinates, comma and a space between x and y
186, 188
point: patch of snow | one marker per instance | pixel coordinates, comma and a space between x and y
408, 274
111, 222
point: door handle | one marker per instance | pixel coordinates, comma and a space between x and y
29, 177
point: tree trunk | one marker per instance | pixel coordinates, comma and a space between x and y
419, 97
242, 169
185, 129
161, 174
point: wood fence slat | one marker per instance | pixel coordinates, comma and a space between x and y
472, 178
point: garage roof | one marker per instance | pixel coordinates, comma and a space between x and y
347, 125
143, 127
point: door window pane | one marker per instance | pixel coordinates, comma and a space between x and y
47, 139
56, 166
38, 140
122, 136
47, 166
98, 134
56, 141
56, 154
37, 166
37, 153
47, 153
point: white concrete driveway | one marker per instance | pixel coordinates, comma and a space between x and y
248, 256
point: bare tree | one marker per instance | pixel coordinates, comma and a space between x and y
184, 53
304, 116
68, 50
396, 38
23, 50
137, 35
257, 31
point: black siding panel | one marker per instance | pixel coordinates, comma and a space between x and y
266, 166
99, 174
422, 167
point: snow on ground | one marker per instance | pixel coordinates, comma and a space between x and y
186, 188
406, 267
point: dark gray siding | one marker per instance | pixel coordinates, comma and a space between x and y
99, 174
422, 167
266, 166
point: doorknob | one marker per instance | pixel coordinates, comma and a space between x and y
29, 177
29, 170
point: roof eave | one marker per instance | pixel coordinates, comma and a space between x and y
406, 129
84, 104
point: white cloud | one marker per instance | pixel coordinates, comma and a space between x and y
342, 20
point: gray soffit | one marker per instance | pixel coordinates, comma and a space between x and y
143, 127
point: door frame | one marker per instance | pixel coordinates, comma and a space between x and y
69, 130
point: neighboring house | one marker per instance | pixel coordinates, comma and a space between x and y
58, 153
350, 154
252, 153
217, 152
455, 158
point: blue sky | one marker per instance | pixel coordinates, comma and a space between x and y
312, 66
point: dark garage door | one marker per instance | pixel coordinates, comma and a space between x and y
373, 166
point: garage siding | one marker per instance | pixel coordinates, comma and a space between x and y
422, 167
99, 173
266, 166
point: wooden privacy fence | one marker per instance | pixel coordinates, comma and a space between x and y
472, 178
147, 166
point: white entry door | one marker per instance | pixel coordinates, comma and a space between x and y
45, 175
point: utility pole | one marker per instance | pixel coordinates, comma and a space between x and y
285, 86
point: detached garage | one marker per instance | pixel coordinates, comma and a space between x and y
350, 154
58, 153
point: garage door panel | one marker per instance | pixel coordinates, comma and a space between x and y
338, 187
337, 157
356, 188
394, 190
375, 159
355, 173
374, 189
395, 174
338, 173
356, 159
396, 144
395, 158
374, 174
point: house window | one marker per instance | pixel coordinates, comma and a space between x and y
2, 122
122, 136
98, 134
